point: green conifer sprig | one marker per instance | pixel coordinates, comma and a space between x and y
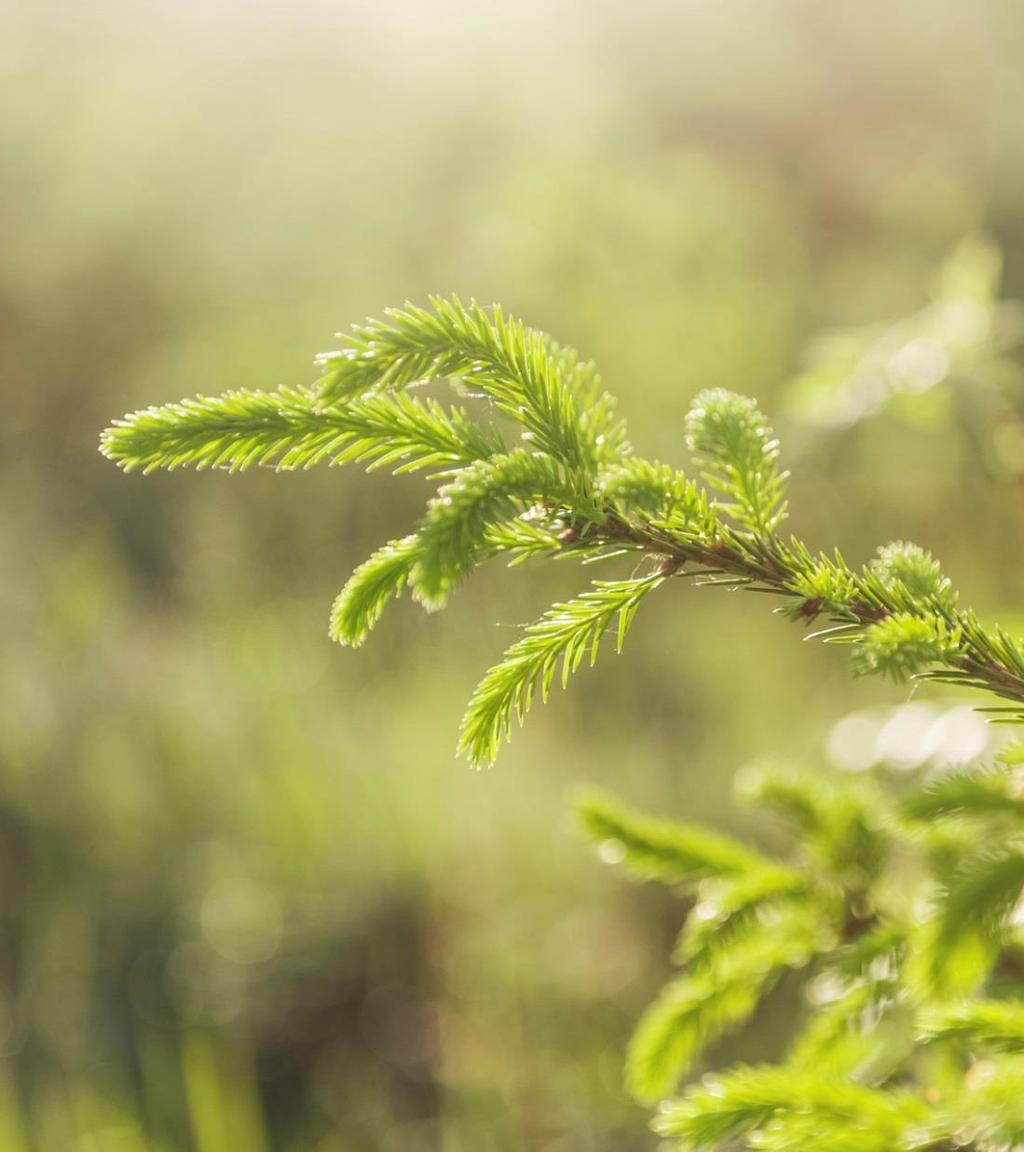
787, 1110
890, 1055
289, 429
991, 1024
842, 824
753, 918
864, 1032
986, 1114
733, 444
454, 530
555, 395
971, 921
730, 907
361, 603
710, 1000
977, 790
566, 635
664, 850
573, 488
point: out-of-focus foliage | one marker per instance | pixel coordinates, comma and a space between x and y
954, 361
898, 920
247, 889
960, 344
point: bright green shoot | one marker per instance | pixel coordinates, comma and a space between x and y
570, 485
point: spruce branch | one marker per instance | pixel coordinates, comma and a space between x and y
568, 632
913, 576
864, 1034
862, 1024
986, 1114
790, 1109
729, 909
991, 1024
643, 487
732, 442
664, 850
976, 790
361, 602
548, 389
704, 1003
877, 991
904, 645
455, 530
289, 429
960, 941
840, 821
572, 489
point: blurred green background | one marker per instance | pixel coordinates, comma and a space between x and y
250, 900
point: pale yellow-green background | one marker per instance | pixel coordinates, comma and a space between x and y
248, 898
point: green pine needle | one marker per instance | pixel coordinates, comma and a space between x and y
976, 790
903, 645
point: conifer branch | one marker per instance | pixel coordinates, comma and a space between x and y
739, 454
862, 1024
704, 1003
863, 1035
839, 821
454, 531
976, 790
568, 633
790, 1109
571, 489
730, 909
664, 850
986, 1114
961, 940
289, 429
361, 602
548, 389
994, 1024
